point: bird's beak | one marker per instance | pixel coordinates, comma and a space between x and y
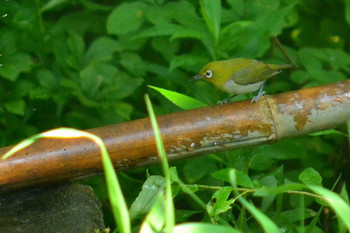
196, 77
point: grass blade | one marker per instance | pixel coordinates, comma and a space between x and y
169, 206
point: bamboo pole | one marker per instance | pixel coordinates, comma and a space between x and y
185, 134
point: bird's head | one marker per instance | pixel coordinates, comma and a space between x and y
216, 72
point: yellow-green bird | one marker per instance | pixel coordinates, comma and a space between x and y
240, 75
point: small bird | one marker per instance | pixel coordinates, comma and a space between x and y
239, 75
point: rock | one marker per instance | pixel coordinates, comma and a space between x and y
72, 208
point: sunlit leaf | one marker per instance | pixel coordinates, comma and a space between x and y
181, 100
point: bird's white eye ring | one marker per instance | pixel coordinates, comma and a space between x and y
208, 74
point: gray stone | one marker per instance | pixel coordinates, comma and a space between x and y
71, 208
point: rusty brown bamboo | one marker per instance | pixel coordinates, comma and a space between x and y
185, 134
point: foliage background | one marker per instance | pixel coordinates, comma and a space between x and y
86, 63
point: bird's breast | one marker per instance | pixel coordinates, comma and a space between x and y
234, 88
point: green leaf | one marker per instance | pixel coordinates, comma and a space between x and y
220, 202
166, 47
297, 214
344, 193
187, 60
101, 49
134, 64
52, 4
21, 88
286, 149
310, 177
16, 107
92, 76
158, 15
314, 61
267, 200
275, 19
347, 11
13, 65
188, 33
47, 79
96, 6
196, 168
337, 58
300, 77
266, 155
327, 132
78, 22
180, 12
242, 178
269, 180
184, 215
40, 93
339, 206
147, 197
125, 18
159, 30
240, 159
197, 34
181, 100
203, 227
155, 219
236, 31
76, 45
120, 87
211, 11
237, 6
8, 43
122, 109
244, 39
24, 18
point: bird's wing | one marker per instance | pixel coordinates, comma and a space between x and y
253, 74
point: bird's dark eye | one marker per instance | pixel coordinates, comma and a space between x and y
208, 74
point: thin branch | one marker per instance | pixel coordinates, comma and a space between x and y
284, 52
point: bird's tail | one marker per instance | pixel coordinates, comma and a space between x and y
280, 67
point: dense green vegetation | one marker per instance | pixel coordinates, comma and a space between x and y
86, 63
